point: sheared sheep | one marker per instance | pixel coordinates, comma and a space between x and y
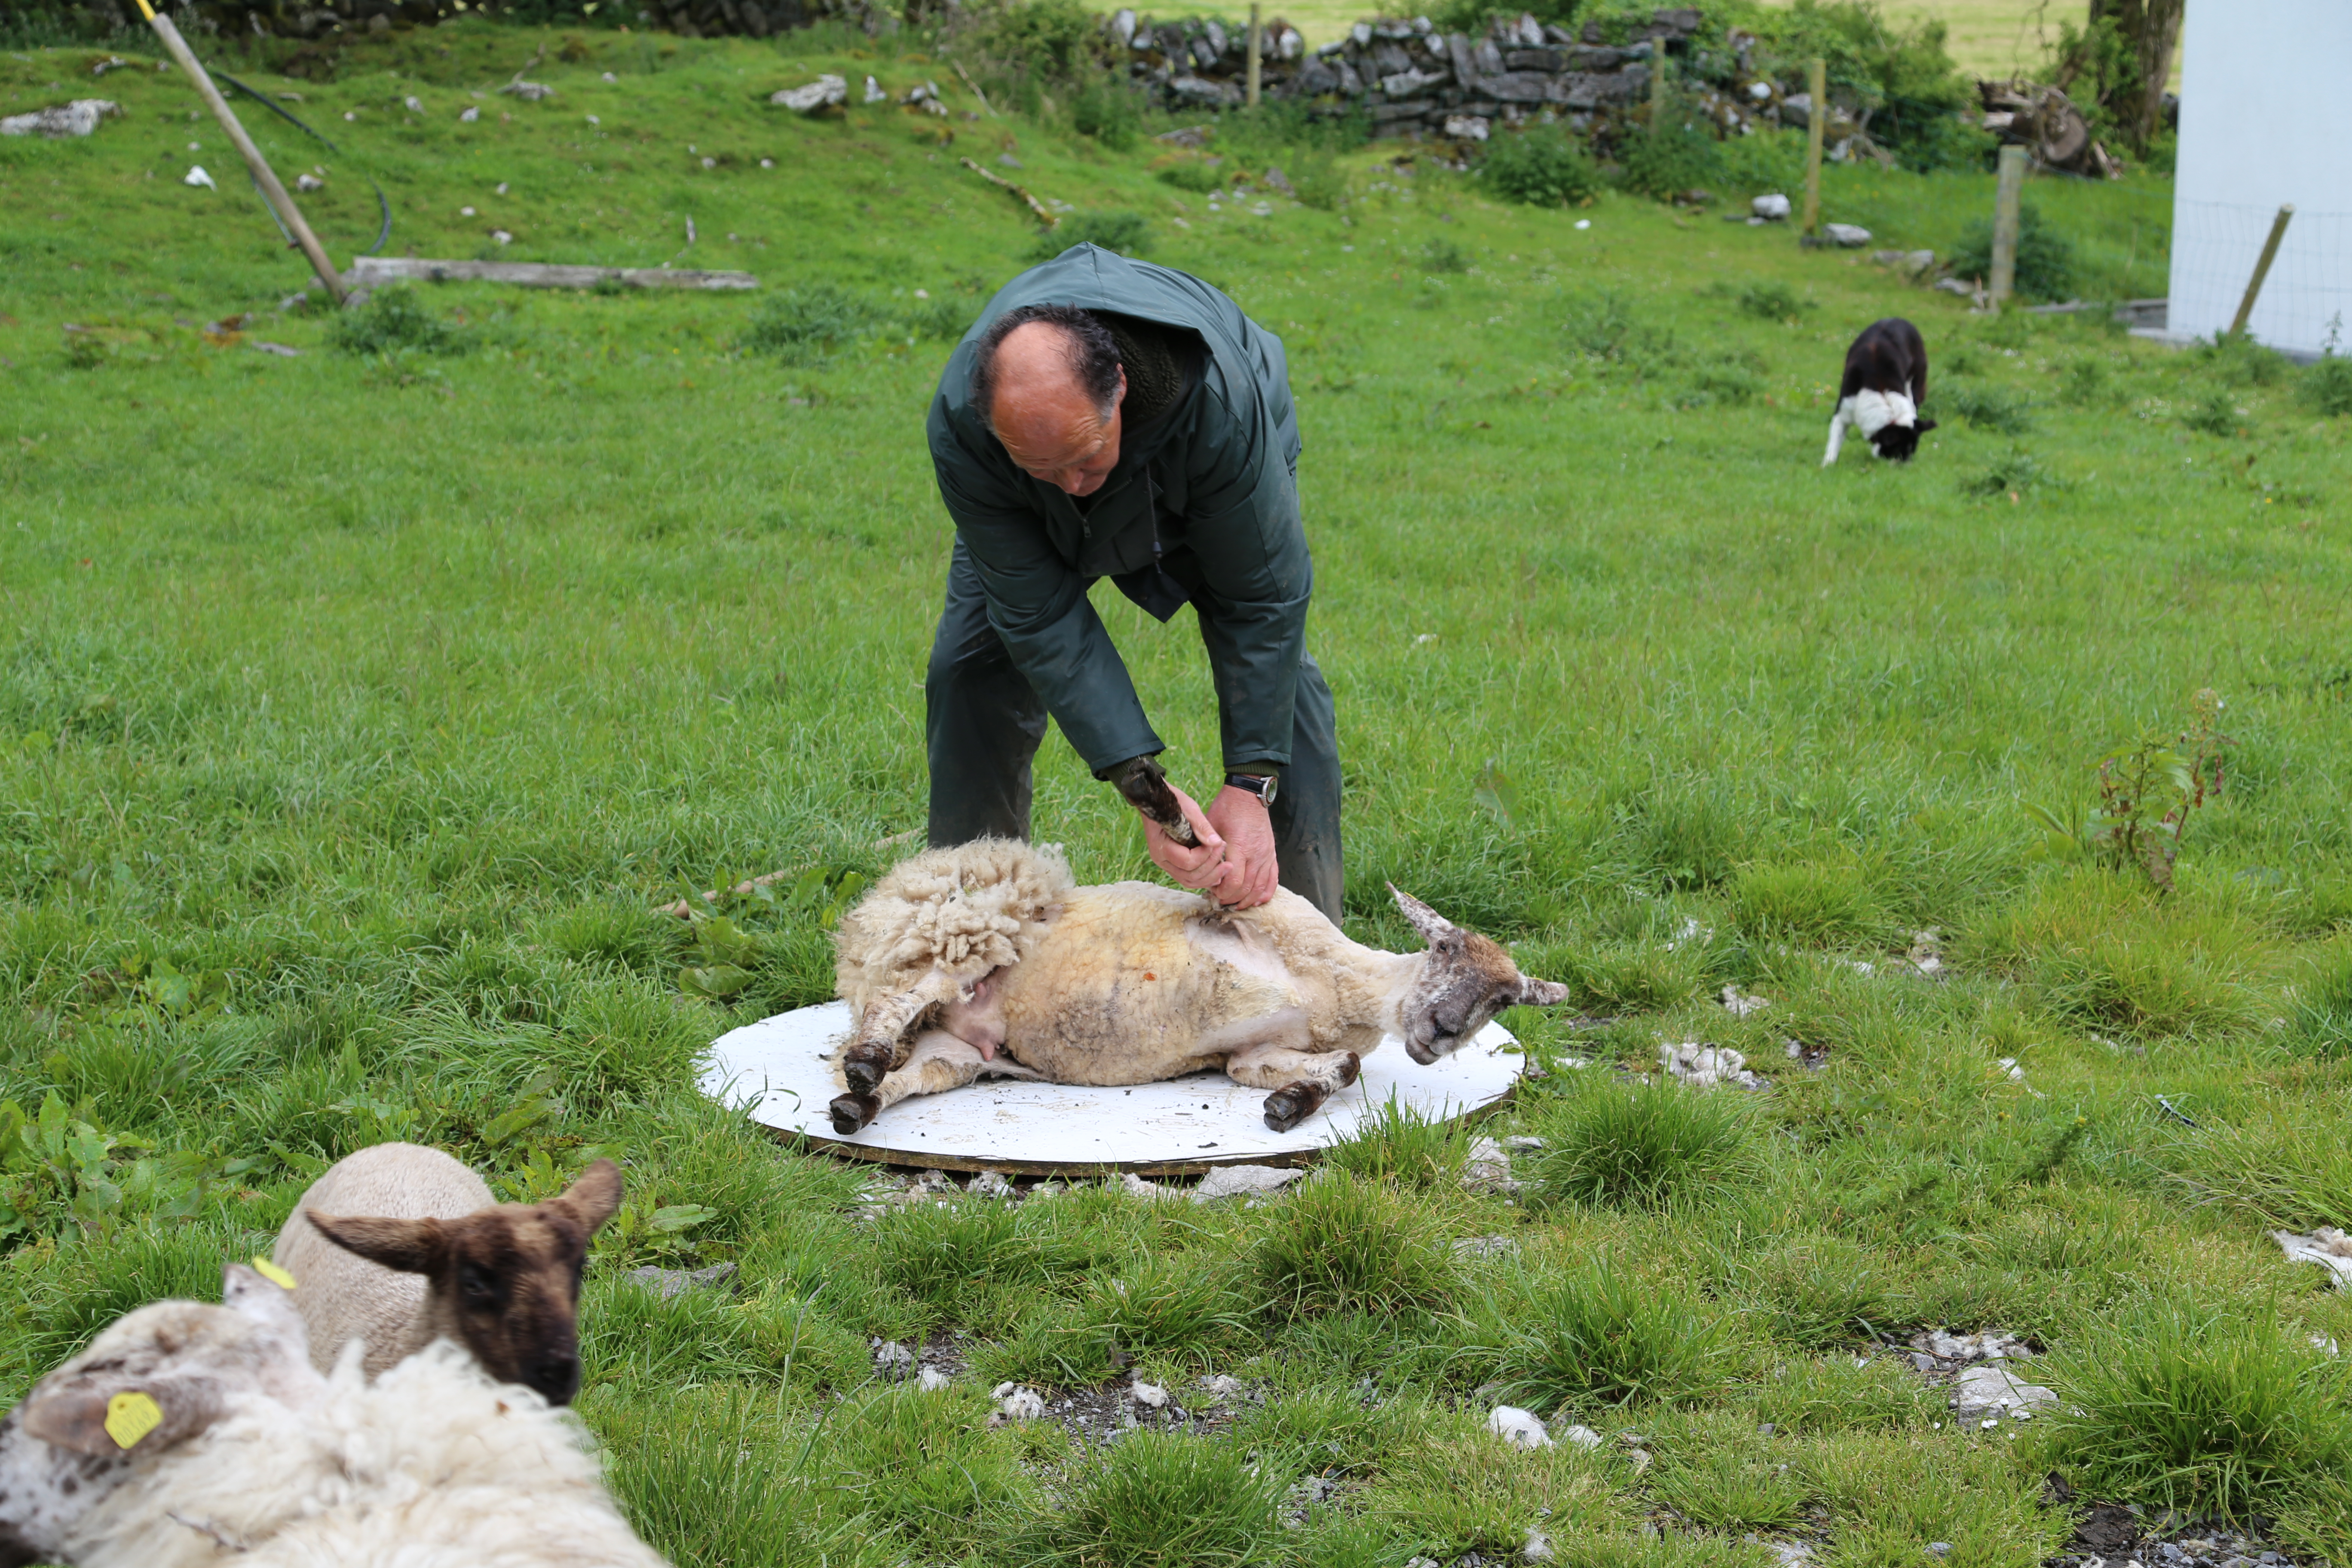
986, 958
190, 1434
399, 1245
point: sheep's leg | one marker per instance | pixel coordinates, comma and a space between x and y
875, 1049
1837, 432
939, 1062
1301, 1080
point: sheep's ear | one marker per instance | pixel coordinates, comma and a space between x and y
1426, 921
405, 1246
592, 1199
103, 1418
1533, 993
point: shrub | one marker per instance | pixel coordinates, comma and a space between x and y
1106, 110
1343, 1244
1638, 1146
1665, 163
2328, 386
1052, 38
1128, 233
2045, 258
801, 324
395, 318
1542, 167
1197, 175
1605, 327
2217, 1413
1772, 302
1605, 1336
1986, 406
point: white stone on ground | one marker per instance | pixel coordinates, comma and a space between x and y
1739, 1005
1016, 1402
1151, 1395
1487, 1169
990, 1184
1994, 1390
1584, 1437
1703, 1066
1221, 1389
1986, 1344
931, 1380
1520, 1429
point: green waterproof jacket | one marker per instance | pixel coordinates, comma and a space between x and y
1203, 506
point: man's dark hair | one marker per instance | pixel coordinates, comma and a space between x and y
1094, 353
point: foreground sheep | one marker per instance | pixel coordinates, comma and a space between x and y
986, 958
190, 1435
399, 1245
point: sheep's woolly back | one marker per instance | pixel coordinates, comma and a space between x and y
431, 1466
962, 912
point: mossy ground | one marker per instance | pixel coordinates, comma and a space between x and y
356, 711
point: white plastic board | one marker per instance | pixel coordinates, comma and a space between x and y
780, 1070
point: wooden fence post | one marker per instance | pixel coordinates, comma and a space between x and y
2263, 267
1256, 48
2003, 281
1817, 85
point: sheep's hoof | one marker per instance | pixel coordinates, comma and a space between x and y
1350, 1069
865, 1074
851, 1112
1293, 1103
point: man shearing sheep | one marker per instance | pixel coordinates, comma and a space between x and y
1106, 417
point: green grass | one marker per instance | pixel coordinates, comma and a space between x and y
358, 708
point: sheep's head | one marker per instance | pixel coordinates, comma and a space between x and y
1464, 982
503, 1282
149, 1383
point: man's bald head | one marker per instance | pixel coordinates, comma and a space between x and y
1048, 381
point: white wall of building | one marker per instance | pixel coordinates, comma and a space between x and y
2266, 119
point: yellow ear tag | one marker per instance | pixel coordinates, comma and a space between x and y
131, 1416
275, 1275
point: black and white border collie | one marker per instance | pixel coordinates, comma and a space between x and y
1886, 382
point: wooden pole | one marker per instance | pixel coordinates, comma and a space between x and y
1657, 86
1256, 45
1817, 84
2263, 267
275, 193
2003, 281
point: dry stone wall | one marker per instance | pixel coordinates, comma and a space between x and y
1415, 82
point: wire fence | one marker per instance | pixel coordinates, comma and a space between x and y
2306, 300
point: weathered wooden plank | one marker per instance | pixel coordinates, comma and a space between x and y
371, 270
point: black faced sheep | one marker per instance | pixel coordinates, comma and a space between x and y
190, 1434
400, 1245
987, 958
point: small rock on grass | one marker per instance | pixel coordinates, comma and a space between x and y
1519, 1429
1151, 1395
78, 118
1221, 1389
1488, 1168
930, 1380
990, 1184
1994, 1392
1472, 1249
1703, 1067
1739, 1004
1016, 1402
1985, 1344
892, 1359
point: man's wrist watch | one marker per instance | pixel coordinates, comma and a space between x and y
1262, 785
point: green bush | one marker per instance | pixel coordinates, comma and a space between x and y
1128, 233
2045, 258
801, 324
1665, 163
395, 318
1197, 175
1054, 39
1543, 167
2328, 386
1107, 111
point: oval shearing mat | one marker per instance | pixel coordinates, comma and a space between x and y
780, 1070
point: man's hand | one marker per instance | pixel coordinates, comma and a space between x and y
1202, 868
1250, 874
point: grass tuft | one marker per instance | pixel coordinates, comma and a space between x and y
1607, 1337
1638, 1146
2205, 1411
1392, 1142
1163, 1499
1340, 1243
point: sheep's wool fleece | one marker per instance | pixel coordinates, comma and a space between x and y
431, 1466
962, 912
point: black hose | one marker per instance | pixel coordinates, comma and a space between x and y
381, 202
